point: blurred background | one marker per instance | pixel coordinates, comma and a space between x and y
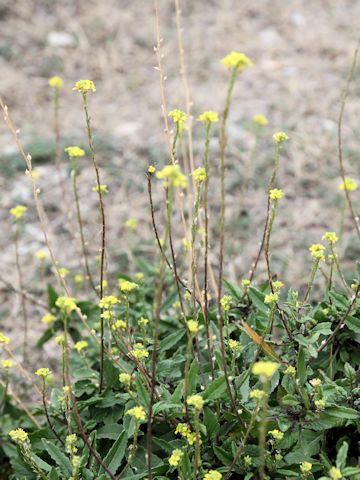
301, 51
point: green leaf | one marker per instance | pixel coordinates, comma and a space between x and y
52, 296
215, 390
223, 455
340, 301
53, 475
289, 399
301, 366
351, 471
257, 299
171, 340
211, 423
353, 324
110, 430
341, 456
142, 393
58, 456
116, 453
343, 412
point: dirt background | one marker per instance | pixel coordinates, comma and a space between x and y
301, 51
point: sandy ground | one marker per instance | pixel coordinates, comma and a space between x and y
301, 52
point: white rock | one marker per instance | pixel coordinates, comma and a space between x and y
61, 39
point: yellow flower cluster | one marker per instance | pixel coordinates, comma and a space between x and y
290, 370
81, 345
280, 137
125, 378
119, 325
56, 82
260, 120
245, 283
184, 430
102, 188
139, 352
7, 363
151, 169
330, 237
18, 211
64, 272
70, 443
74, 151
178, 117
172, 176
199, 175
335, 473
257, 394
43, 372
248, 461
4, 339
276, 434
350, 185
271, 298
131, 224
237, 60
19, 436
193, 326
108, 302
60, 340
320, 404
78, 279
212, 475
48, 318
138, 413
85, 86
225, 302
305, 468
126, 286
41, 255
66, 304
234, 345
265, 370
277, 285
276, 194
317, 251
208, 117
195, 401
176, 457
315, 382
143, 322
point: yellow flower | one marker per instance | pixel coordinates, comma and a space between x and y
245, 283
19, 436
208, 117
176, 457
119, 325
330, 237
74, 151
212, 475
260, 120
41, 255
103, 189
225, 302
126, 286
193, 326
151, 169
234, 345
4, 339
81, 345
172, 176
78, 279
43, 372
178, 116
350, 185
237, 60
140, 353
7, 363
187, 244
138, 413
264, 369
48, 318
70, 444
85, 86
66, 304
320, 404
56, 82
317, 251
64, 272
280, 137
276, 434
335, 473
276, 194
60, 340
248, 461
196, 401
257, 394
183, 429
108, 302
199, 175
125, 378
305, 467
315, 382
18, 211
290, 370
139, 276
271, 298
143, 322
131, 224
277, 285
